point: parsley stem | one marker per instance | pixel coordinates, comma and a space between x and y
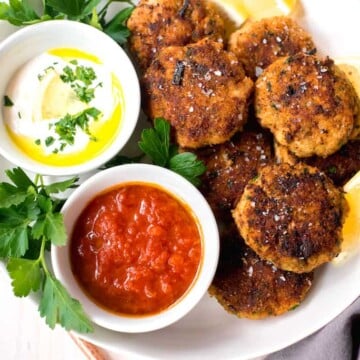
42, 256
36, 179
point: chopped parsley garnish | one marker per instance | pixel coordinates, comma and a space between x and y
7, 101
42, 75
49, 141
80, 79
67, 127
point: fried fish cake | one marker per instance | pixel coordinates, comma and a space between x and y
201, 89
340, 167
258, 44
292, 216
231, 165
307, 103
155, 24
249, 287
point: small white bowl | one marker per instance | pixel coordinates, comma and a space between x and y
27, 43
181, 189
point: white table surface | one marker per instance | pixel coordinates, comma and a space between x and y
24, 335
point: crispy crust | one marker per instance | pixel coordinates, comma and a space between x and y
292, 216
231, 165
258, 44
250, 287
307, 103
340, 167
155, 24
201, 90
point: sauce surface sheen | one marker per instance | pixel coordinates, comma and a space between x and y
135, 249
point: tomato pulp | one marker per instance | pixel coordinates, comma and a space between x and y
136, 249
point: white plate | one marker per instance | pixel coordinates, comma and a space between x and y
208, 332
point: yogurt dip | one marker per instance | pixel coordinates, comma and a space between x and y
63, 107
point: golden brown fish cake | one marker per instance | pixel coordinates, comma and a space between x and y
155, 24
201, 89
231, 165
258, 44
249, 287
340, 167
307, 103
292, 216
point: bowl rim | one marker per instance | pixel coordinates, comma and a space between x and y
130, 113
178, 187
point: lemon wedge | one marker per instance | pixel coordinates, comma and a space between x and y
351, 67
57, 98
265, 8
234, 10
241, 10
351, 228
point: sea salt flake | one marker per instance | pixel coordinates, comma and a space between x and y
258, 71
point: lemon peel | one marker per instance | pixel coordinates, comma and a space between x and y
351, 229
240, 11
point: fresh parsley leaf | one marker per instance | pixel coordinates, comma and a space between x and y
54, 228
7, 101
30, 222
95, 20
73, 9
14, 240
11, 195
18, 12
155, 142
19, 178
187, 165
57, 306
25, 274
62, 186
117, 28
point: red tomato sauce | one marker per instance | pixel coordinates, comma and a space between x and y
135, 249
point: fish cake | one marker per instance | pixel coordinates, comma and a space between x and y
340, 167
231, 165
155, 24
258, 44
201, 89
249, 287
307, 103
292, 215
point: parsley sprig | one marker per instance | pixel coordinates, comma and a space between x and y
155, 143
30, 222
21, 12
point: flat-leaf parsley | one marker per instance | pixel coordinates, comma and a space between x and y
30, 221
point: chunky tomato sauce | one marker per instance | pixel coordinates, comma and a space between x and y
135, 249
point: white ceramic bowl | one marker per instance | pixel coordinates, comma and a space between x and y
33, 40
181, 189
